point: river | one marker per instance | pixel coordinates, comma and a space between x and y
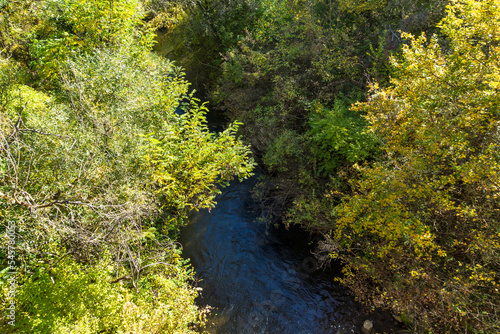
257, 277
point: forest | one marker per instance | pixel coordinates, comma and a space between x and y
376, 123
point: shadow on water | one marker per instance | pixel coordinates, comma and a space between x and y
257, 280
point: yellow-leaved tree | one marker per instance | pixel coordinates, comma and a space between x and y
422, 233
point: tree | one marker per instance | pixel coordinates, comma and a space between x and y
94, 171
424, 224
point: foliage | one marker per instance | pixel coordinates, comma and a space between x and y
85, 164
190, 162
18, 21
98, 169
76, 26
284, 148
80, 299
425, 220
415, 220
339, 138
165, 16
406, 197
198, 33
361, 5
289, 80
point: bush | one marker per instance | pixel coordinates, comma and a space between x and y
339, 137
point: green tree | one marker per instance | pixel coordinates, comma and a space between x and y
95, 174
74, 298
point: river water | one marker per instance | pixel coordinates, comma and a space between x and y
259, 279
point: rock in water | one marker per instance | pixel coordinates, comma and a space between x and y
367, 327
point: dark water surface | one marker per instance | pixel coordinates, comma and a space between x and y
257, 280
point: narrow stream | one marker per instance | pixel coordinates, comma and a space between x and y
255, 277
258, 278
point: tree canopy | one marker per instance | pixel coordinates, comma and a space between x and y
98, 171
428, 213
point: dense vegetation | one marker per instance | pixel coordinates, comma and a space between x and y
377, 123
100, 162
402, 185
